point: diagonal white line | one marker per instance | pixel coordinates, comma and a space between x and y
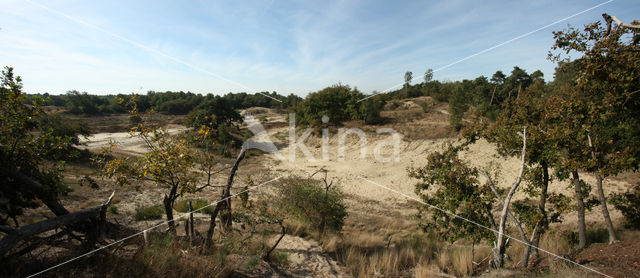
151, 228
147, 48
498, 45
482, 226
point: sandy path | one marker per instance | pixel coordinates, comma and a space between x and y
124, 140
306, 259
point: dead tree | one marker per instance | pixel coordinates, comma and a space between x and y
633, 26
282, 233
223, 207
95, 215
521, 231
327, 186
500, 248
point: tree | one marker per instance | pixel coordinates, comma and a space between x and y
32, 159
428, 76
459, 103
407, 78
213, 113
370, 110
31, 155
609, 79
338, 102
448, 183
168, 163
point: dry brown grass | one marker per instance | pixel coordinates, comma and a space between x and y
366, 254
456, 260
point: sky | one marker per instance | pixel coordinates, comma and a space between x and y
109, 47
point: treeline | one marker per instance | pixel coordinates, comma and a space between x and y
485, 95
178, 103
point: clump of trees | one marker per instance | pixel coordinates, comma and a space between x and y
585, 121
339, 103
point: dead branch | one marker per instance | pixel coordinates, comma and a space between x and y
224, 204
26, 232
523, 234
266, 256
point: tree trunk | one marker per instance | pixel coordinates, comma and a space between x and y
212, 225
191, 221
500, 246
523, 235
493, 94
168, 209
582, 230
542, 203
225, 204
16, 235
47, 197
603, 200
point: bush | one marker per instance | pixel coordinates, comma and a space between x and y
149, 213
183, 206
305, 200
370, 110
629, 204
62, 126
338, 102
426, 107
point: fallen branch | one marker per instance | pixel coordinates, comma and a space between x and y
266, 256
19, 234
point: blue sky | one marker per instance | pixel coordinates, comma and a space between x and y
284, 46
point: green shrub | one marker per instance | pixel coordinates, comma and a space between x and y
280, 258
149, 213
182, 205
307, 201
113, 209
370, 110
629, 204
394, 104
252, 263
426, 107
338, 102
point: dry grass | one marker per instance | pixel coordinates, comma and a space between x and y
456, 260
366, 255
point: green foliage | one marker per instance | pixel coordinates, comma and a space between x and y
213, 113
338, 102
305, 200
458, 105
113, 209
605, 96
28, 148
426, 106
149, 213
370, 110
199, 205
169, 163
629, 204
280, 258
61, 126
450, 184
252, 263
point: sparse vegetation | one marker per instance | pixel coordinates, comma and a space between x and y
575, 142
305, 200
149, 213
